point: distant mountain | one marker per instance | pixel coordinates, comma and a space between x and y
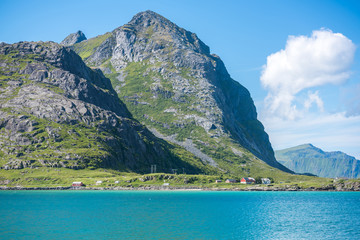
170, 81
309, 159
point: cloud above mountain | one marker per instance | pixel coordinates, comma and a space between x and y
323, 58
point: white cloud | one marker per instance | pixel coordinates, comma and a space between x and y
314, 98
323, 58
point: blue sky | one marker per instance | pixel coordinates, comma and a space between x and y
244, 34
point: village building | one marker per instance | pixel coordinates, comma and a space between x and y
230, 181
77, 184
247, 180
265, 181
98, 182
218, 181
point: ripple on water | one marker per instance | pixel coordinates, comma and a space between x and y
179, 215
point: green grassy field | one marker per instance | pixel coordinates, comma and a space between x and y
63, 177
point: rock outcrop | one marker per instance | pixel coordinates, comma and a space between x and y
73, 38
171, 82
57, 112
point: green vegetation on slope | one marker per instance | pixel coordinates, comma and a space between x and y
59, 130
146, 87
165, 114
137, 92
56, 144
86, 48
309, 159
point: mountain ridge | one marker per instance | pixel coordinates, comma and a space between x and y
307, 158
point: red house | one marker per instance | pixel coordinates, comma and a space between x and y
247, 180
77, 184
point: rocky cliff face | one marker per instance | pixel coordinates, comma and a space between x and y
169, 81
309, 159
73, 38
55, 111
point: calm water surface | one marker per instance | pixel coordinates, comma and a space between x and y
179, 215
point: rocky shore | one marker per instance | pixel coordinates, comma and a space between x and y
337, 187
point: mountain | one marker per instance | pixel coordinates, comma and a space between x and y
309, 159
57, 112
171, 83
73, 38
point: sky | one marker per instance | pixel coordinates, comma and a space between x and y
300, 60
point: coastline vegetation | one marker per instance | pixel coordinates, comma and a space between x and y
46, 177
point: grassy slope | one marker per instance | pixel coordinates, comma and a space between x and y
136, 91
87, 48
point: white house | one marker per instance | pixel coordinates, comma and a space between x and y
265, 181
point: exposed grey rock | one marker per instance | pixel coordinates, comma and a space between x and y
222, 106
188, 145
104, 51
73, 38
57, 112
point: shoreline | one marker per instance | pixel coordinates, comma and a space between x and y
195, 188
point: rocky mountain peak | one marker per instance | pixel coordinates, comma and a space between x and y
73, 38
149, 25
148, 18
170, 82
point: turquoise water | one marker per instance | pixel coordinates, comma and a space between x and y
179, 215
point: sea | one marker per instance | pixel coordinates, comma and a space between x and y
179, 215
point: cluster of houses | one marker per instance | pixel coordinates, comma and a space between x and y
81, 184
246, 180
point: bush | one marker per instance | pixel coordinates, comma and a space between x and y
258, 180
